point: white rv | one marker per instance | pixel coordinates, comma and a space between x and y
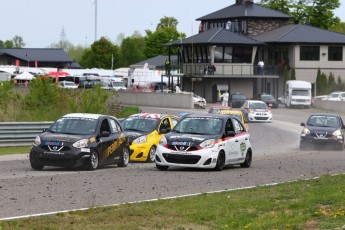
297, 93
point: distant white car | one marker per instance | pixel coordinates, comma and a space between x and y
256, 111
199, 101
336, 96
67, 85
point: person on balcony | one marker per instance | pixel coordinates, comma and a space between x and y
261, 66
211, 69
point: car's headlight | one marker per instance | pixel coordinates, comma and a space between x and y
337, 133
208, 144
81, 143
163, 141
305, 131
37, 140
140, 140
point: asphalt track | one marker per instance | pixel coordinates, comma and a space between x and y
276, 159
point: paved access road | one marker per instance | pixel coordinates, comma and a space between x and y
276, 159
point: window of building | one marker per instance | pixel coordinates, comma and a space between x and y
335, 53
218, 54
310, 53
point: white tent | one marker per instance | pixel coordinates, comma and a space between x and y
24, 76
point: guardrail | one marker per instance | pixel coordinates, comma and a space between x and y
20, 133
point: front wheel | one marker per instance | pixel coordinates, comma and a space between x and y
36, 165
152, 154
220, 162
248, 160
92, 163
124, 158
162, 167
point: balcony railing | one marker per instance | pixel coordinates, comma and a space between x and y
230, 69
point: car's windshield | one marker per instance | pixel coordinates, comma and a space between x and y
239, 97
140, 124
300, 92
267, 97
323, 121
74, 125
199, 125
334, 95
257, 105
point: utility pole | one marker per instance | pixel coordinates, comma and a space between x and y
95, 2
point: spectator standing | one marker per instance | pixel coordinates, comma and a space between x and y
261, 66
211, 69
225, 96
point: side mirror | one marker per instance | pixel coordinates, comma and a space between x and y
105, 134
230, 133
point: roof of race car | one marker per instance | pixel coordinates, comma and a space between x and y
229, 111
84, 115
209, 115
148, 115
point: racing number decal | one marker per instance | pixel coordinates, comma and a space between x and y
114, 146
243, 147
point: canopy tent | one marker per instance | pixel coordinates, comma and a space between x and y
24, 76
58, 74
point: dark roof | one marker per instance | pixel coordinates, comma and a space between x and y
216, 36
37, 54
157, 61
245, 10
298, 33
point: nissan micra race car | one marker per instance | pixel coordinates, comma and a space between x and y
80, 139
145, 131
205, 141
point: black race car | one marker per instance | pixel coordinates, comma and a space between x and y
269, 99
81, 139
236, 100
323, 130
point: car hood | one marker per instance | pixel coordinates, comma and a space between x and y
132, 135
188, 139
260, 110
61, 137
322, 130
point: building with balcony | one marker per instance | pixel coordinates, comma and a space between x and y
236, 38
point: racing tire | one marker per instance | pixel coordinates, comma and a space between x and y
124, 158
220, 162
152, 154
92, 162
36, 165
248, 160
340, 147
302, 146
162, 167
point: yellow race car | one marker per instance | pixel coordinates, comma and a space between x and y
237, 114
144, 131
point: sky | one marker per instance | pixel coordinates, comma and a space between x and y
42, 22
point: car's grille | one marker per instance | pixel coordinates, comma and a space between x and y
181, 159
65, 148
301, 100
182, 148
261, 118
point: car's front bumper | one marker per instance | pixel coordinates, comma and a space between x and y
327, 142
71, 158
139, 152
204, 158
260, 117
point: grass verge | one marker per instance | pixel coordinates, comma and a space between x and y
14, 150
312, 204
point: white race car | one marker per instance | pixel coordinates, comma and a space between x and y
205, 141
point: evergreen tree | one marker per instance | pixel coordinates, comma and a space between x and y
293, 74
318, 82
324, 84
331, 83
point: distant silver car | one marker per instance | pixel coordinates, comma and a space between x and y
335, 96
67, 85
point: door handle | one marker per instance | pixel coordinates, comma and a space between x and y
236, 141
